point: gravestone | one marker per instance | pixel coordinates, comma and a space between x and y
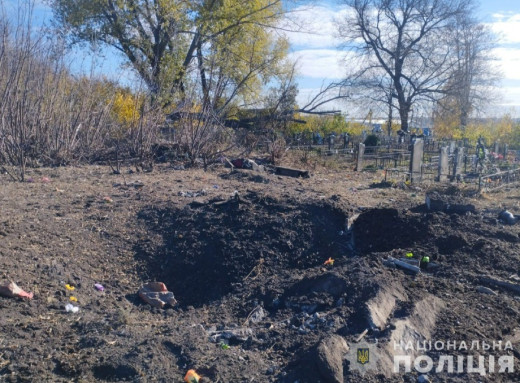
416, 159
452, 147
361, 153
444, 170
458, 162
506, 149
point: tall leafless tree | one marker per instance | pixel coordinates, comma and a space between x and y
405, 42
474, 75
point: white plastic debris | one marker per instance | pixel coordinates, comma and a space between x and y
71, 308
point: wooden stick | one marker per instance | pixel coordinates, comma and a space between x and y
361, 336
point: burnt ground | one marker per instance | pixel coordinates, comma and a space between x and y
244, 255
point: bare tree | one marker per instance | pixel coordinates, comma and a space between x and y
474, 75
404, 42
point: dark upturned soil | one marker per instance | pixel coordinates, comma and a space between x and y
244, 255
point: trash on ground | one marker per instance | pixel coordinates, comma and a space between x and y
45, 180
193, 194
329, 261
508, 217
292, 172
12, 290
99, 287
246, 163
70, 308
157, 295
107, 200
425, 261
191, 377
224, 346
402, 265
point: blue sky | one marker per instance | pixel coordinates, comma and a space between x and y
320, 60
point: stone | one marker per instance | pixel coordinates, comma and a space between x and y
444, 170
361, 153
329, 358
416, 159
458, 162
423, 379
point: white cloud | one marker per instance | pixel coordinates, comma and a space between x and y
319, 63
511, 96
509, 61
315, 26
507, 27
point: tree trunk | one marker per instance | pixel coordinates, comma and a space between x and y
404, 112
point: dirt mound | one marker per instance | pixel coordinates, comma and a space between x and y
256, 299
209, 248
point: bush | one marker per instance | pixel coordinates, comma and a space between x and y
372, 140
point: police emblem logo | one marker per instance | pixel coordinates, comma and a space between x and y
363, 355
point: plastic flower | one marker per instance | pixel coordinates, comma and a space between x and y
191, 377
329, 261
73, 299
69, 287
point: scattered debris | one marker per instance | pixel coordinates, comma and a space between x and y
69, 287
136, 184
71, 308
403, 265
361, 336
508, 217
246, 163
107, 200
256, 315
99, 287
239, 334
292, 172
424, 263
45, 180
224, 346
191, 377
12, 290
157, 295
486, 290
329, 261
73, 299
506, 285
193, 194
